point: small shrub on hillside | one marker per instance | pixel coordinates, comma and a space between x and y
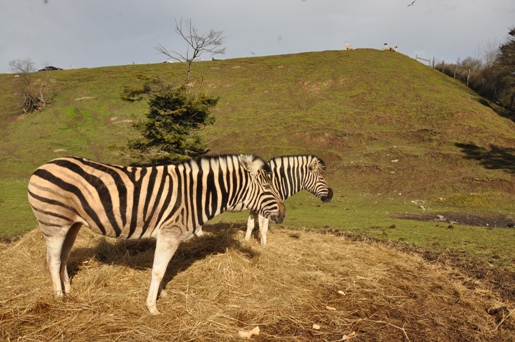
168, 131
33, 92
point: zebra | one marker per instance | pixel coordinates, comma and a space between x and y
290, 174
168, 203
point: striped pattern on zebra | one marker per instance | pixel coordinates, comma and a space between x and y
166, 202
291, 174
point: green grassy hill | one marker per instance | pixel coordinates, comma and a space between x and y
398, 137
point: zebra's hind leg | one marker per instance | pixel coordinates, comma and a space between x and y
67, 246
251, 223
166, 244
54, 247
58, 245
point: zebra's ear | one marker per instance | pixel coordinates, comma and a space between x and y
316, 164
249, 164
313, 165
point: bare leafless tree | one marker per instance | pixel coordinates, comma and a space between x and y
31, 90
197, 44
488, 52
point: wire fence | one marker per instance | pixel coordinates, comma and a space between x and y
477, 77
430, 62
454, 70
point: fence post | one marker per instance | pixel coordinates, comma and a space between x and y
425, 59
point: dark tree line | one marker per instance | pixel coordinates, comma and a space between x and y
505, 71
493, 78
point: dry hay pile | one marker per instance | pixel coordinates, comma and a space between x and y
218, 285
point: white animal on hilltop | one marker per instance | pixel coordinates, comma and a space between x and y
387, 48
348, 46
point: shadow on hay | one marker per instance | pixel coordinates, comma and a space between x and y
139, 254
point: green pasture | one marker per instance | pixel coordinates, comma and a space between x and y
362, 215
397, 136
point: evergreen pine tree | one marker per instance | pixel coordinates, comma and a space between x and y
170, 130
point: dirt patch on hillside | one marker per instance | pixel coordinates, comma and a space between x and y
498, 220
322, 140
218, 284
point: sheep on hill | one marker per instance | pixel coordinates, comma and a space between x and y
387, 48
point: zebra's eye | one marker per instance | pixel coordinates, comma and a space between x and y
267, 186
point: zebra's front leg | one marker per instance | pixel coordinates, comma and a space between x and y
251, 223
263, 228
166, 245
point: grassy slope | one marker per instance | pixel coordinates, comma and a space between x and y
394, 133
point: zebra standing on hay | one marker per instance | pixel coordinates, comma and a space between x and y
290, 174
168, 202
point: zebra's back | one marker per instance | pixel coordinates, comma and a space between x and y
109, 199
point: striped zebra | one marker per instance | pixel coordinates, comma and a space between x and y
168, 202
290, 174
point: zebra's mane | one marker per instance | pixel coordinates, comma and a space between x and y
224, 158
219, 159
321, 163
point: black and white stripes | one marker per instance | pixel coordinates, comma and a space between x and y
164, 202
291, 174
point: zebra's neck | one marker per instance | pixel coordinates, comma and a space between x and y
219, 184
287, 174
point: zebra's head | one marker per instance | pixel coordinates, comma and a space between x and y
315, 182
262, 196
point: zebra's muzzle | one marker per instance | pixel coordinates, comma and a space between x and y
329, 196
281, 214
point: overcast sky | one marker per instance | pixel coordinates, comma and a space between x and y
92, 33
